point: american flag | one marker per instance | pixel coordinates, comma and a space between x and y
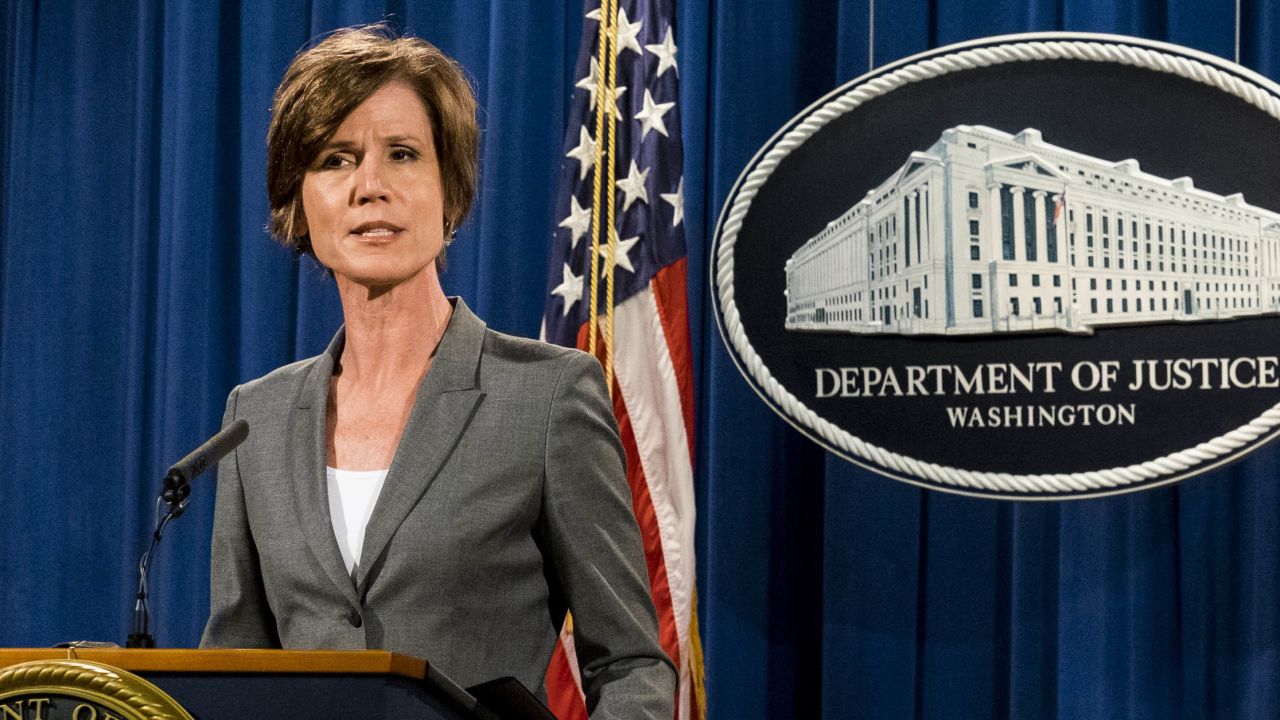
650, 365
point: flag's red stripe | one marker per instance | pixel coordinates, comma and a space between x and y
650, 533
673, 311
563, 697
642, 506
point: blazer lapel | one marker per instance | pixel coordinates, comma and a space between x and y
445, 403
307, 449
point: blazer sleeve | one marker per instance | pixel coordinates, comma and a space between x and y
595, 546
239, 615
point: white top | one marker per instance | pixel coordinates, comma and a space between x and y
352, 494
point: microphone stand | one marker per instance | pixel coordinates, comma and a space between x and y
176, 494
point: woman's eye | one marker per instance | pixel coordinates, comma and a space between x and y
333, 161
400, 154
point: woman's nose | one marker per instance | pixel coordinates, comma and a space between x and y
370, 183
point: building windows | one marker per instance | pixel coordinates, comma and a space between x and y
973, 200
923, 199
1029, 224
1035, 302
977, 308
1013, 279
1057, 281
1050, 231
1013, 306
1093, 305
1006, 221
974, 253
906, 227
976, 280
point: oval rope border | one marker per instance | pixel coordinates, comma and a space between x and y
123, 687
980, 481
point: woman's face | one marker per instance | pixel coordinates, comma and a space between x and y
372, 198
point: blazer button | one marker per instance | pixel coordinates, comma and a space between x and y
354, 618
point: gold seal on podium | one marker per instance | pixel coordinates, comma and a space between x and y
81, 690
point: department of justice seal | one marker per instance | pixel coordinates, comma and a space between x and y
1035, 266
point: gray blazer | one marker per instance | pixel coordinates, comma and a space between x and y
506, 503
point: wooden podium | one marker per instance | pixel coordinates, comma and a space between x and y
228, 684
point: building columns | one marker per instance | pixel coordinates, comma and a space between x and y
1019, 223
1042, 236
994, 225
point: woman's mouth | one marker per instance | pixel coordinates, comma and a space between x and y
376, 230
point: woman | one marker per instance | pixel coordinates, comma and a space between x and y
487, 467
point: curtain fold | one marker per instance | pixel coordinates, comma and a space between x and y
138, 285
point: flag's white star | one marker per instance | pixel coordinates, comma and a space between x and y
627, 32
650, 116
590, 82
676, 199
632, 186
623, 258
584, 153
570, 288
666, 52
578, 222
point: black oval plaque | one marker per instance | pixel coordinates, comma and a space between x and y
1032, 266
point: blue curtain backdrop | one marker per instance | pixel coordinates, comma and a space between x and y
137, 286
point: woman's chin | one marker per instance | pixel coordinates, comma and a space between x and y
381, 276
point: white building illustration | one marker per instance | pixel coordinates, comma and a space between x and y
989, 232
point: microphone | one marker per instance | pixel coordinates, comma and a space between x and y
177, 489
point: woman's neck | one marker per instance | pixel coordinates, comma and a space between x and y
392, 332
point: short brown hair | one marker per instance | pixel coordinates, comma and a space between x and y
327, 82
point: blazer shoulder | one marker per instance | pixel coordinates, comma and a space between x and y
503, 348
283, 383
